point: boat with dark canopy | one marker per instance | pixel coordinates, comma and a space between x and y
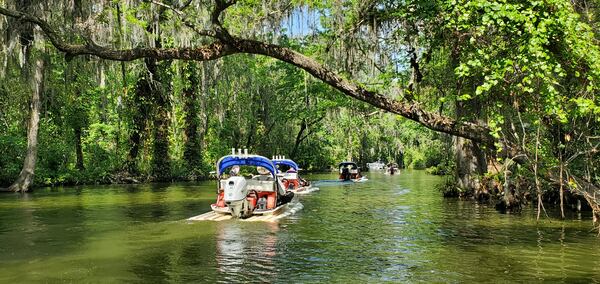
349, 171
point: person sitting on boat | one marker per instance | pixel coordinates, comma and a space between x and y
301, 181
263, 174
262, 171
346, 172
235, 171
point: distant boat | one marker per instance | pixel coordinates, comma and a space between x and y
349, 171
290, 178
379, 165
391, 169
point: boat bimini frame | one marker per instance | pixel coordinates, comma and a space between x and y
290, 179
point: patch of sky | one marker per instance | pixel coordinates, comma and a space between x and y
303, 21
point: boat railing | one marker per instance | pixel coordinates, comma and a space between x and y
260, 185
254, 184
290, 175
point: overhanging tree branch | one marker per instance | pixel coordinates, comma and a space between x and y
411, 111
228, 45
202, 53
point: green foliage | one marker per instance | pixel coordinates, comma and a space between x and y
13, 149
528, 64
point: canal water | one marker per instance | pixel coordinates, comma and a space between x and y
388, 229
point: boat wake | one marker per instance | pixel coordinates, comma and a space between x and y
333, 182
306, 191
362, 179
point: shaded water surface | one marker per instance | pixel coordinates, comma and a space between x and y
390, 228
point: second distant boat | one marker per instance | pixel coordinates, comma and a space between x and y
391, 169
288, 170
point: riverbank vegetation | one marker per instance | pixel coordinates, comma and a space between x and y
502, 94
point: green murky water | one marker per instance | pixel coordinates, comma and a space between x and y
391, 228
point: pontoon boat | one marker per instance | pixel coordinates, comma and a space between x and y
291, 180
242, 197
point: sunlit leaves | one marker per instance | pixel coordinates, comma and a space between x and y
522, 47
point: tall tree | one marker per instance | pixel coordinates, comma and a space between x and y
25, 179
34, 72
192, 152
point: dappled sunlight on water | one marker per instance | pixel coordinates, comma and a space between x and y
390, 228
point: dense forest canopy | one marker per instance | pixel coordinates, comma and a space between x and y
502, 94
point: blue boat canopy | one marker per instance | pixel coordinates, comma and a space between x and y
286, 162
245, 160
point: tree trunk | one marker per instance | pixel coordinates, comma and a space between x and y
471, 163
161, 162
303, 125
140, 108
298, 139
192, 148
204, 103
78, 149
25, 179
78, 121
161, 79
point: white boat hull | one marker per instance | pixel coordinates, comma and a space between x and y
225, 210
274, 216
304, 190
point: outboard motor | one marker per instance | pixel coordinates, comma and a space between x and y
235, 197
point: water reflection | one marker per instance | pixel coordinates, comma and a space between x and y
389, 229
138, 209
246, 251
